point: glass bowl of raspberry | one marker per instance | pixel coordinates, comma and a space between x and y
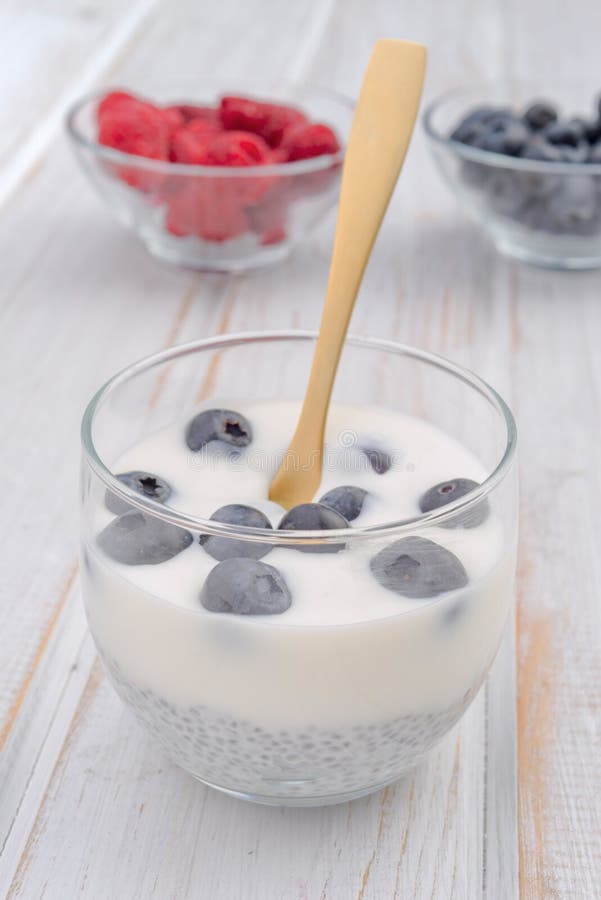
226, 183
525, 163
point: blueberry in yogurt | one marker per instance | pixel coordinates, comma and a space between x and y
245, 587
136, 539
379, 460
313, 517
223, 425
348, 500
221, 547
418, 568
447, 492
144, 483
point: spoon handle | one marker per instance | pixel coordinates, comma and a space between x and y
382, 126
380, 135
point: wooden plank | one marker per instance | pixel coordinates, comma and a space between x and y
167, 836
559, 580
557, 322
51, 53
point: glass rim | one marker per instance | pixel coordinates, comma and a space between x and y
294, 538
488, 157
166, 167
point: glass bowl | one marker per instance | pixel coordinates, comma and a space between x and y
265, 707
545, 213
216, 218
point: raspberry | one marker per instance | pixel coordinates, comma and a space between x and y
133, 126
277, 156
273, 236
307, 141
238, 148
205, 209
113, 99
280, 120
240, 113
268, 120
268, 217
191, 146
174, 117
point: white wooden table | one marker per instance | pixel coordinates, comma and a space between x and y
510, 804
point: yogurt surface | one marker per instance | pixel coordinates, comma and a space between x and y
327, 588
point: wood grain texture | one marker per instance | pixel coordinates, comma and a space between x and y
51, 53
557, 397
89, 808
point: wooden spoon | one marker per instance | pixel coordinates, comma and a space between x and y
380, 134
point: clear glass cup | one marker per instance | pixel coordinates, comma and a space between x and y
289, 714
215, 218
544, 213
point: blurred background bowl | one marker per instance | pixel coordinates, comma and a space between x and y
215, 218
546, 213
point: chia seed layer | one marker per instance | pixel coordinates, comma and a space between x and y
241, 756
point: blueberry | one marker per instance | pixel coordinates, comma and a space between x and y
218, 425
578, 154
470, 134
505, 135
539, 115
505, 192
471, 125
417, 568
245, 587
573, 209
446, 492
570, 133
138, 540
225, 547
592, 130
588, 127
348, 500
533, 212
474, 174
313, 517
539, 148
379, 460
144, 483
537, 185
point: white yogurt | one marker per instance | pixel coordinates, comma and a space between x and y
347, 650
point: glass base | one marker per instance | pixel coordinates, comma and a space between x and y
287, 800
201, 256
285, 767
534, 254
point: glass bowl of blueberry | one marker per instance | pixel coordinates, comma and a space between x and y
211, 178
527, 168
